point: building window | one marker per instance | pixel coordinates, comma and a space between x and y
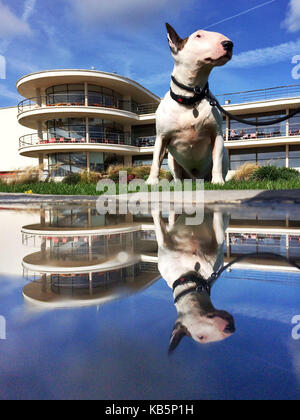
67, 129
147, 161
62, 164
102, 96
96, 161
263, 156
69, 94
102, 131
294, 156
238, 131
144, 135
294, 129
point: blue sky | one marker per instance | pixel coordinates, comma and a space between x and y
129, 37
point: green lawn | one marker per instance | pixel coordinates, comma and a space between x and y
90, 189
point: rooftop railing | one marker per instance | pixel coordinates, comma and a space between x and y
280, 92
78, 99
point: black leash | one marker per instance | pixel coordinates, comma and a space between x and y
203, 285
204, 93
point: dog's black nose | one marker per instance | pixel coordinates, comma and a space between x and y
228, 45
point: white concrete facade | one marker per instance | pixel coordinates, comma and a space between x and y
10, 131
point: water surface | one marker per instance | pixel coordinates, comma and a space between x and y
89, 316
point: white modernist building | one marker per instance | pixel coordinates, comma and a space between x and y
74, 120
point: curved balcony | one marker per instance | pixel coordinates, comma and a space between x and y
80, 99
32, 144
75, 99
40, 109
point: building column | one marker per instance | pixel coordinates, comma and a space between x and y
127, 129
41, 167
128, 106
42, 95
128, 160
88, 161
287, 157
87, 132
86, 94
40, 131
227, 128
287, 124
38, 96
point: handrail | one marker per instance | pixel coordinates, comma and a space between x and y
278, 92
78, 99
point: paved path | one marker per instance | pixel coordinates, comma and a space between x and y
210, 197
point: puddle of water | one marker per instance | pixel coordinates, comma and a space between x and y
87, 307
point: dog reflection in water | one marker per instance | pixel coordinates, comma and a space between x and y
187, 257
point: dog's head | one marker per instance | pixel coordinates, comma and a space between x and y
201, 49
208, 328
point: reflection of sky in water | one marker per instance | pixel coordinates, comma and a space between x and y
120, 350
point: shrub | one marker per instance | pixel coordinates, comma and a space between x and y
90, 177
72, 179
272, 173
141, 172
113, 172
25, 176
245, 172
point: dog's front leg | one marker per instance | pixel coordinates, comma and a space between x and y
160, 229
217, 156
218, 226
160, 149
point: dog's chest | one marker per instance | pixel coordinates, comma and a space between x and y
192, 126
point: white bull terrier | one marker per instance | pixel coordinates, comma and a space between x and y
186, 124
188, 253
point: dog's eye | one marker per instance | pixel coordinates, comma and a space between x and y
198, 36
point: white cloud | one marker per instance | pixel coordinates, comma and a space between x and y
292, 20
28, 9
123, 12
266, 56
10, 24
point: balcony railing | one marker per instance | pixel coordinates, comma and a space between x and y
95, 138
242, 133
91, 100
291, 91
146, 109
145, 141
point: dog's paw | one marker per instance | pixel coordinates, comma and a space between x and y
218, 179
152, 180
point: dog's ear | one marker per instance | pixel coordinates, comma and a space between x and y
178, 333
175, 42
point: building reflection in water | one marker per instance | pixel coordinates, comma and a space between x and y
87, 259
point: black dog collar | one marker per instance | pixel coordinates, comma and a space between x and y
202, 285
199, 93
